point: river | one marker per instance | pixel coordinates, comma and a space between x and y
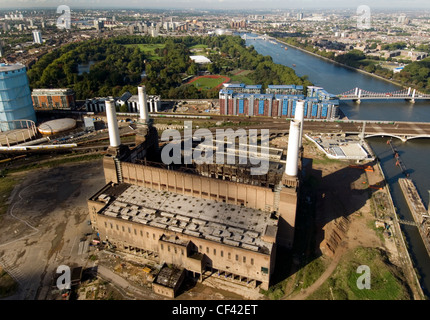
415, 154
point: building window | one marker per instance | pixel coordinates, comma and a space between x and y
117, 228
129, 230
147, 234
36, 102
229, 255
200, 248
214, 252
153, 236
244, 259
168, 248
264, 270
182, 251
141, 233
207, 250
252, 261
161, 246
135, 232
237, 257
222, 253
123, 229
111, 226
105, 224
175, 250
64, 102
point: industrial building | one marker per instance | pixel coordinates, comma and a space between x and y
49, 99
208, 219
277, 101
15, 95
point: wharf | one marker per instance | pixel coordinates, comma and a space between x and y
418, 210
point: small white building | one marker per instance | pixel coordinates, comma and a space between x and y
200, 59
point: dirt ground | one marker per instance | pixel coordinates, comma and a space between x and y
48, 218
44, 225
344, 191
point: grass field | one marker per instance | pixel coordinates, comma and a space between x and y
242, 76
208, 82
199, 46
149, 49
385, 279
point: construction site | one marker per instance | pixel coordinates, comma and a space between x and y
158, 227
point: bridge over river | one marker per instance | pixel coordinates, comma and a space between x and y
400, 130
358, 94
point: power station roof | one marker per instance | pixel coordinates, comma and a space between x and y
230, 224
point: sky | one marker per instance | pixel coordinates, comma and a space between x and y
216, 4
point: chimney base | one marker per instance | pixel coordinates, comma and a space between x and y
118, 152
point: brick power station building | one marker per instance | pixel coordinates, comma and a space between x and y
206, 219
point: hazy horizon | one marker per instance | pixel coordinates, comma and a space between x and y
214, 4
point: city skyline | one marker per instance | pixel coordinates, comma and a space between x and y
214, 4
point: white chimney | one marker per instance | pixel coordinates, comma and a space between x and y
114, 138
299, 116
143, 108
292, 166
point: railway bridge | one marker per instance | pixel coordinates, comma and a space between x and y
359, 94
403, 131
400, 130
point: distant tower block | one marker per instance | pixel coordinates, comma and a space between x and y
143, 107
114, 138
292, 166
299, 116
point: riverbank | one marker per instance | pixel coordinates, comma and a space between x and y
347, 235
403, 252
417, 209
341, 64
